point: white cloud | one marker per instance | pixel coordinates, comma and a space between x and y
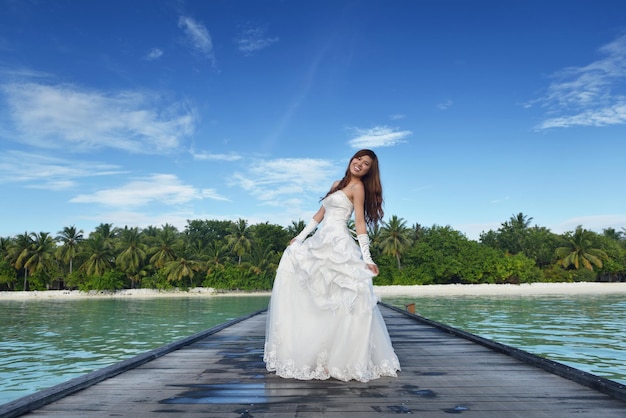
154, 54
207, 156
166, 189
44, 172
594, 223
379, 136
142, 219
198, 36
500, 200
613, 115
62, 116
591, 95
254, 39
276, 182
397, 116
444, 105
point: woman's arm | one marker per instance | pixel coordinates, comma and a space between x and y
358, 202
310, 227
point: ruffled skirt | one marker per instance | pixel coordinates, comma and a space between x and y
323, 319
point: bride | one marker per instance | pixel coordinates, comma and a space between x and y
323, 320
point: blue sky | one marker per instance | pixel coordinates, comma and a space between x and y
150, 112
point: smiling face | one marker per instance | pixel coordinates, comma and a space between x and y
360, 166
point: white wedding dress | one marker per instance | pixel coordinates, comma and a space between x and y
323, 320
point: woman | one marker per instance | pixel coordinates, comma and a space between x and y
323, 320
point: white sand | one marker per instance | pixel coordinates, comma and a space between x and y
121, 294
581, 288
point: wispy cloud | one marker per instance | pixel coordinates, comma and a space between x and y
198, 36
38, 171
207, 156
164, 189
53, 116
397, 116
379, 136
594, 223
444, 105
276, 182
154, 54
500, 200
255, 39
591, 95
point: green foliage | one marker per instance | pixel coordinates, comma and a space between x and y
228, 255
517, 237
8, 276
394, 238
557, 273
38, 281
614, 265
445, 256
579, 250
111, 280
76, 279
207, 231
157, 280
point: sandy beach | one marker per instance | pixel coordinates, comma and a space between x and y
580, 288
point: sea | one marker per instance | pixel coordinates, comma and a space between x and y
47, 342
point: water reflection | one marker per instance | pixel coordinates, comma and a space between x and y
44, 343
586, 332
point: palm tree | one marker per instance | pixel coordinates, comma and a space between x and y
613, 234
4, 247
374, 233
177, 270
579, 251
19, 252
295, 227
514, 234
395, 238
100, 255
216, 257
519, 221
70, 238
107, 231
239, 238
40, 255
165, 248
7, 272
261, 260
133, 253
418, 232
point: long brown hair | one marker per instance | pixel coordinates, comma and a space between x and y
373, 188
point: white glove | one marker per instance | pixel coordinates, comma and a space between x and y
364, 243
310, 227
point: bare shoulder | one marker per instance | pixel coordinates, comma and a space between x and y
356, 191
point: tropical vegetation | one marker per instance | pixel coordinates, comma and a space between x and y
231, 255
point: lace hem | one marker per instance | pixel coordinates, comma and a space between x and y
321, 371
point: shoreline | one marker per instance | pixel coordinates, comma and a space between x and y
526, 289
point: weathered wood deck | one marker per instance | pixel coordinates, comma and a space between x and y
221, 374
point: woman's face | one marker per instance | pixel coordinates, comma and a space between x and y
360, 166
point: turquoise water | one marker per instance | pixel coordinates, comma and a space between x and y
44, 343
585, 332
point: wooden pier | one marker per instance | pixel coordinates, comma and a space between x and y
220, 373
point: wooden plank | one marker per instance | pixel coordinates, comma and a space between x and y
223, 375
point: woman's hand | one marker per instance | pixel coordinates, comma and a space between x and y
373, 268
